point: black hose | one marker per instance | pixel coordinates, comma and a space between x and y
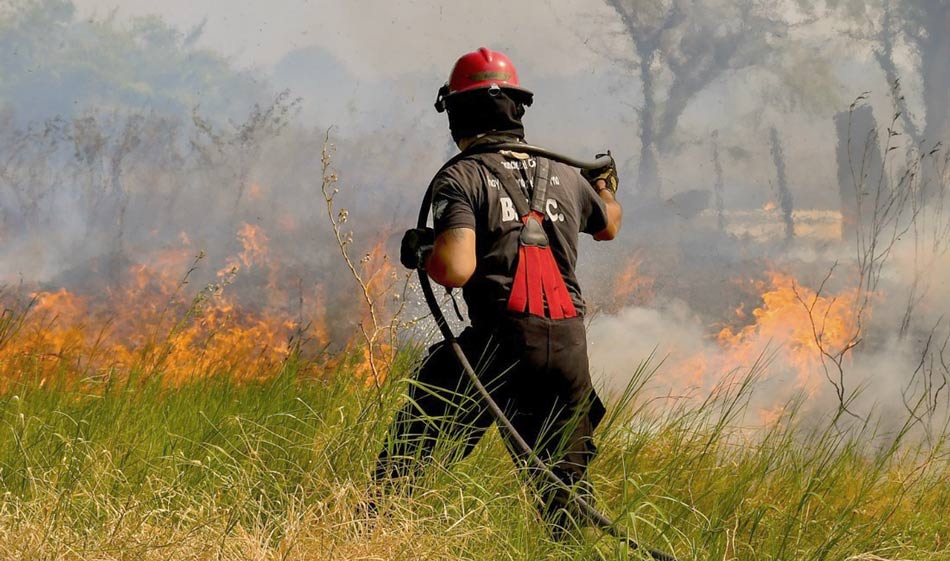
586, 509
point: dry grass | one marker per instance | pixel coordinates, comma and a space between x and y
277, 468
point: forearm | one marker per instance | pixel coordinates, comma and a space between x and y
614, 213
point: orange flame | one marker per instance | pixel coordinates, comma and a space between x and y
784, 323
632, 287
147, 323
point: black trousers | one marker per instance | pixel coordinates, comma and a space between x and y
537, 371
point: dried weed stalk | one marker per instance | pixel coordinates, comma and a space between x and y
380, 327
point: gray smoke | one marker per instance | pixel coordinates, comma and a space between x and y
126, 139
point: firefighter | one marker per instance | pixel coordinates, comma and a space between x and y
506, 228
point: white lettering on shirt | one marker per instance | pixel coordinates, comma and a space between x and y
551, 208
508, 213
520, 164
492, 181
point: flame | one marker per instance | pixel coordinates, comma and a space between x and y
631, 286
320, 330
254, 250
151, 321
254, 192
378, 277
740, 311
784, 323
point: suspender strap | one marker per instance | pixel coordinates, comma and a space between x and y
539, 189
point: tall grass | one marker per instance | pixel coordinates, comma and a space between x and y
277, 468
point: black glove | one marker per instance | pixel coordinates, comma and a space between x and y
608, 173
417, 244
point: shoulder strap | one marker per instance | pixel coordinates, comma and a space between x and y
539, 189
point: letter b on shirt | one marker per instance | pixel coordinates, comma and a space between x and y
508, 212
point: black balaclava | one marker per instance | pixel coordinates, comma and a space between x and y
486, 110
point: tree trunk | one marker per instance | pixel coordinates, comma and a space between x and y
935, 74
859, 163
885, 58
648, 176
719, 185
786, 203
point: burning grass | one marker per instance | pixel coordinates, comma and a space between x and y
275, 467
246, 319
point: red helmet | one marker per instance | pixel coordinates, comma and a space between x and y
481, 69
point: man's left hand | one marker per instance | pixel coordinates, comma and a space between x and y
416, 246
607, 174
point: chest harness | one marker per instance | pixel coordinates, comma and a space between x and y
538, 287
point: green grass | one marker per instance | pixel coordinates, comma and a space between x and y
277, 469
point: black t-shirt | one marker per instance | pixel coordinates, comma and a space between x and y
468, 195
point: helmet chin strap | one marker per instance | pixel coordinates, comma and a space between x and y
440, 98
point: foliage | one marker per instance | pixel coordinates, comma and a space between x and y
53, 63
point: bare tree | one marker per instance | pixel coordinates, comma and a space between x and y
682, 46
786, 201
886, 211
927, 393
719, 185
382, 324
243, 142
922, 25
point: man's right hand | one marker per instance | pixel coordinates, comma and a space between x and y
416, 246
607, 174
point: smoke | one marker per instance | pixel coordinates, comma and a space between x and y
816, 333
177, 136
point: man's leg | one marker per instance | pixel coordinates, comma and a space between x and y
556, 413
561, 437
443, 410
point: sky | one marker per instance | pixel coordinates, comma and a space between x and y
366, 66
380, 38
385, 60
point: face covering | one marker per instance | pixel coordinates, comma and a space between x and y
482, 111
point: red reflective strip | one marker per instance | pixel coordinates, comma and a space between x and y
518, 298
535, 288
538, 279
567, 305
561, 298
